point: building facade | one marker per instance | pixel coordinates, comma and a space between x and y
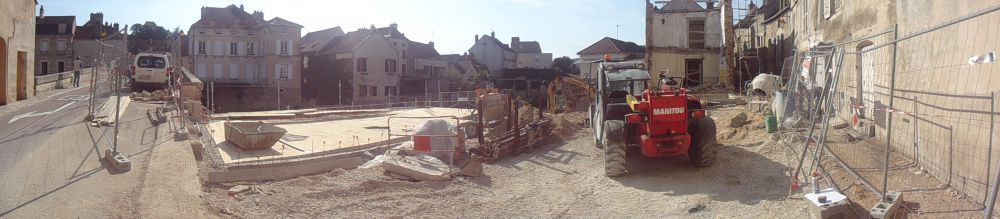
529, 54
253, 63
493, 54
590, 57
359, 67
684, 39
17, 50
93, 36
54, 44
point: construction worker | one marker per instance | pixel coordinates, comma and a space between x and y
77, 67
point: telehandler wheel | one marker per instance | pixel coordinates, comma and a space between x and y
703, 142
614, 148
597, 141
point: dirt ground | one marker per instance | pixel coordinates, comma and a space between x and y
560, 179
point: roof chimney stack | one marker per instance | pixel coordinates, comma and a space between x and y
493, 34
477, 38
709, 5
393, 26
431, 43
41, 12
241, 8
514, 41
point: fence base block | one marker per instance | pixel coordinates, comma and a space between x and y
829, 204
887, 208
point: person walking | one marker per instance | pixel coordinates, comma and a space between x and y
77, 67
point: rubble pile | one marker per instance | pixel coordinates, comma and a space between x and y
157, 95
432, 154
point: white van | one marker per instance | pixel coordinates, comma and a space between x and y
151, 70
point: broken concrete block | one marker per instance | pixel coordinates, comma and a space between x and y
238, 189
838, 125
738, 120
421, 167
472, 167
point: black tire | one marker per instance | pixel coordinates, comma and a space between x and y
703, 142
614, 148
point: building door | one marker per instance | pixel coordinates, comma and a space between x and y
692, 72
3, 72
45, 68
62, 67
22, 75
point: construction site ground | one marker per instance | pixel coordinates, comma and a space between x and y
562, 178
343, 129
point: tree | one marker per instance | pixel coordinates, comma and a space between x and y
147, 32
565, 64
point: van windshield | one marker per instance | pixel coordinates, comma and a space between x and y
152, 62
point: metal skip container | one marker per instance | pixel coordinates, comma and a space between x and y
253, 135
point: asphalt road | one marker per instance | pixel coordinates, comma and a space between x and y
25, 130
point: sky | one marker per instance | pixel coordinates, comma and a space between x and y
562, 27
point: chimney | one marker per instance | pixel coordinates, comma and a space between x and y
393, 26
41, 12
477, 38
204, 12
514, 41
259, 15
116, 26
493, 34
709, 5
431, 43
241, 8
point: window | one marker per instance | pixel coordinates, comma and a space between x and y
201, 48
404, 54
61, 45
250, 49
390, 90
390, 65
62, 28
696, 34
373, 90
232, 49
43, 45
362, 90
152, 62
284, 47
362, 65
829, 8
282, 70
403, 69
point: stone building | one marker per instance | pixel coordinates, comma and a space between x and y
253, 63
86, 45
684, 39
591, 56
54, 43
17, 50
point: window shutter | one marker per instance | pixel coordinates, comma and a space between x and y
202, 70
249, 74
826, 8
290, 75
277, 71
277, 47
291, 49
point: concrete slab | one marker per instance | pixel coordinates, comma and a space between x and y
360, 130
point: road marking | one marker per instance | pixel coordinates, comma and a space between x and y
33, 114
75, 97
73, 89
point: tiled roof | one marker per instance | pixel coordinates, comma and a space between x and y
346, 43
420, 50
611, 45
527, 47
391, 32
277, 21
494, 40
315, 41
681, 6
228, 17
50, 24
